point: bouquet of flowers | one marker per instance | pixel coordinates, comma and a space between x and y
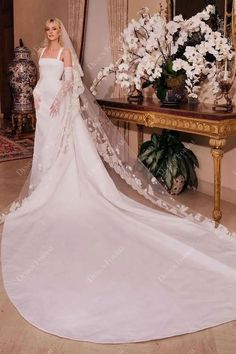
168, 55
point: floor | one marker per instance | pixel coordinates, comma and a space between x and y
19, 337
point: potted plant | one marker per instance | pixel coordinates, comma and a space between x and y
170, 161
170, 56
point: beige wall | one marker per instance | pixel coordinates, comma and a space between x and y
97, 51
30, 16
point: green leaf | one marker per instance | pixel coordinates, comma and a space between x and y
155, 139
161, 170
161, 92
188, 166
186, 163
153, 166
172, 164
170, 151
168, 179
168, 67
193, 181
145, 145
147, 84
143, 156
150, 159
159, 155
183, 168
192, 157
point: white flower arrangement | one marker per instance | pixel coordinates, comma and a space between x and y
164, 54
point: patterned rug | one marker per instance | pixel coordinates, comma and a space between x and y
15, 149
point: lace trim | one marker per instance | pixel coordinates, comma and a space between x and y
66, 88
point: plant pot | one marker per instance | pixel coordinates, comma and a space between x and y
135, 95
192, 101
174, 97
178, 185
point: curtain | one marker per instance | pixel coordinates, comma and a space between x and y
76, 24
118, 20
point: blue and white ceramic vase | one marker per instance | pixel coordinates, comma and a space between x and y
22, 78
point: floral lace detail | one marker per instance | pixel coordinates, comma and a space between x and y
13, 207
64, 90
16, 204
78, 86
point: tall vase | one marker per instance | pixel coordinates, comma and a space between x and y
22, 78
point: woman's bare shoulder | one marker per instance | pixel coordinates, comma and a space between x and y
67, 51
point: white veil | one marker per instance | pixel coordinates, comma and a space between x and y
113, 148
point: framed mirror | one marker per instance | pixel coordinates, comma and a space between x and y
224, 13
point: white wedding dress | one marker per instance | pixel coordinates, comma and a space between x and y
83, 261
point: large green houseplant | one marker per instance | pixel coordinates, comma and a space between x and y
170, 161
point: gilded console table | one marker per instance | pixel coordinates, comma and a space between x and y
200, 119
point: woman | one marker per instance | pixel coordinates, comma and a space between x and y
82, 260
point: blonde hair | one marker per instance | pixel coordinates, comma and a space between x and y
57, 22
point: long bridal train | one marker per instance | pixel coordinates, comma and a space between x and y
82, 260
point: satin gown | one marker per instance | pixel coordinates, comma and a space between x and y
83, 261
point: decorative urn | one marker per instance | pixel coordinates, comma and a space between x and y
22, 78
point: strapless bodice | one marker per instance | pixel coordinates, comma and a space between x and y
50, 69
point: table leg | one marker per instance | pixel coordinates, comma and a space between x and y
13, 122
33, 121
217, 154
140, 135
20, 121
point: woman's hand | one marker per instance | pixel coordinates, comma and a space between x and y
65, 89
55, 107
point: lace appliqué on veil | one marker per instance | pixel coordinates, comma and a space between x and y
145, 187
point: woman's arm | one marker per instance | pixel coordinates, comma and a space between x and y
67, 84
37, 98
66, 57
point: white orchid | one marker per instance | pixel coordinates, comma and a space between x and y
173, 27
179, 18
150, 44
